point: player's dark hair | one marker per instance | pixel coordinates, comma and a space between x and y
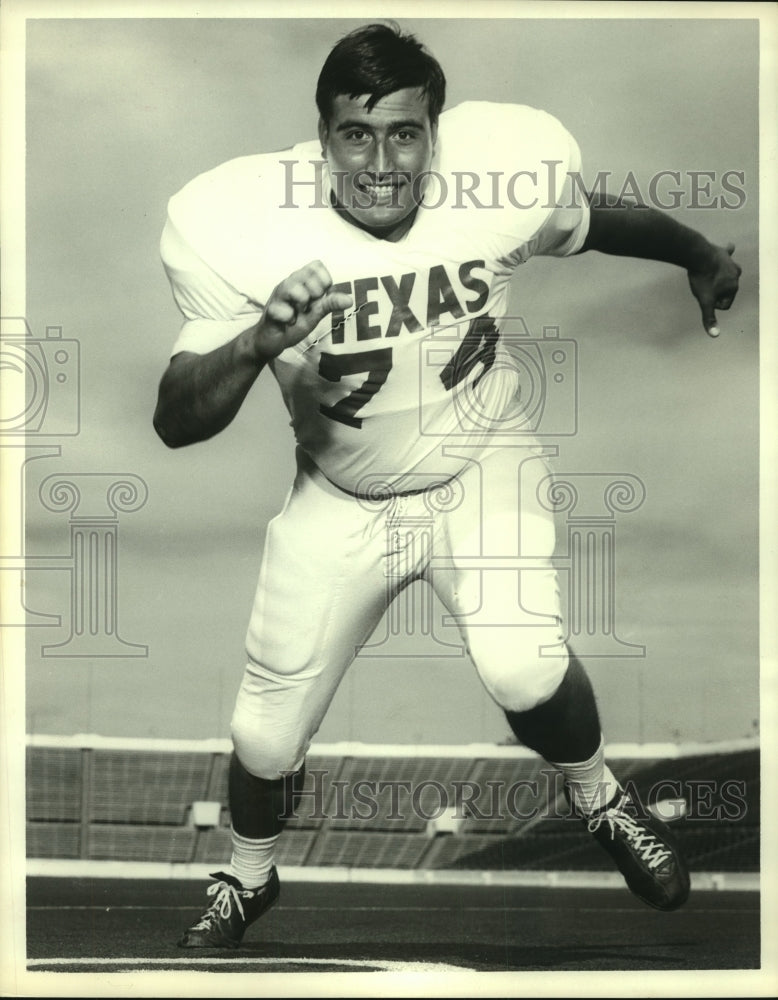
379, 59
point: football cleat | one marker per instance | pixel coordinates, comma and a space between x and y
233, 909
644, 850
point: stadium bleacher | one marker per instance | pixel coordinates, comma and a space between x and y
498, 808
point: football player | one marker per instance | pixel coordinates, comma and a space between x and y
332, 265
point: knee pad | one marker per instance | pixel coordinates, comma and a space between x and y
513, 669
264, 749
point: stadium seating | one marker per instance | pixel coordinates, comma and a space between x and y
501, 810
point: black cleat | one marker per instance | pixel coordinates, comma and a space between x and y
234, 908
645, 852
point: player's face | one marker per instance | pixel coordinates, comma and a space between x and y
378, 158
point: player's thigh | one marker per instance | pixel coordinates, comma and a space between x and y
320, 595
498, 579
321, 586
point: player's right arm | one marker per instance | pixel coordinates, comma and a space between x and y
200, 394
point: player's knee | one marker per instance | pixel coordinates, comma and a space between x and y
520, 690
521, 679
264, 752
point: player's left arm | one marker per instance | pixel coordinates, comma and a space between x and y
631, 230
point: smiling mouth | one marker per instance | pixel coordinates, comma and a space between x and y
380, 192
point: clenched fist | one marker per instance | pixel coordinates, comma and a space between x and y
296, 307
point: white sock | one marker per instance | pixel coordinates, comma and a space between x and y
591, 782
252, 860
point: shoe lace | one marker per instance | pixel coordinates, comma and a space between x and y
226, 895
647, 845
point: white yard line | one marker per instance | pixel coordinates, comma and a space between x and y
368, 964
355, 749
74, 868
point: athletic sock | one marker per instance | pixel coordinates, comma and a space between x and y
260, 806
252, 860
591, 782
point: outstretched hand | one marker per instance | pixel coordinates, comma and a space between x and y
715, 285
296, 307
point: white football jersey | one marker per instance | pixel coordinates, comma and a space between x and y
376, 395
